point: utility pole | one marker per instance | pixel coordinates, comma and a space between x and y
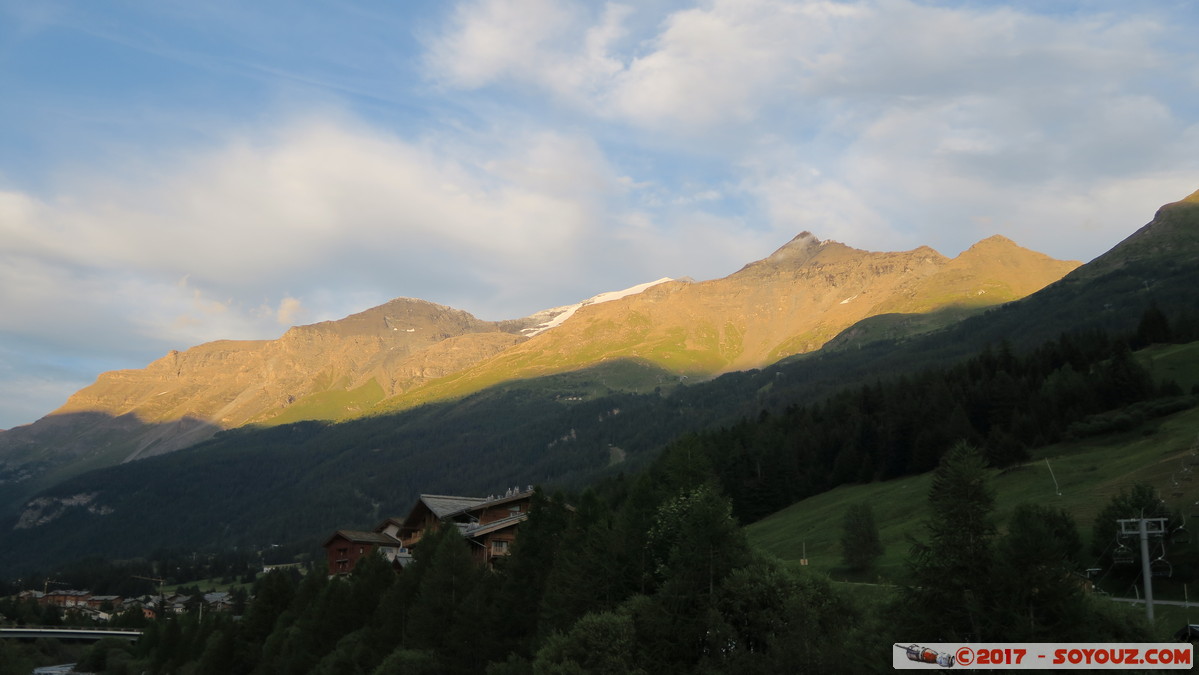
1144, 528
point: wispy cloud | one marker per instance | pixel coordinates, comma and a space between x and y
303, 162
903, 109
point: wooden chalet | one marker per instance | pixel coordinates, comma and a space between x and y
489, 524
346, 547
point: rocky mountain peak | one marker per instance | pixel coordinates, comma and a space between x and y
994, 241
799, 251
801, 246
994, 246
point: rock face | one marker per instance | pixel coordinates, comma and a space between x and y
380, 352
326, 370
793, 301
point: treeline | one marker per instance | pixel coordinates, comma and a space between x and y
1081, 384
651, 575
128, 578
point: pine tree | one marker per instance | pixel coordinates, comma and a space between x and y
444, 612
860, 545
1154, 328
590, 571
946, 597
1037, 595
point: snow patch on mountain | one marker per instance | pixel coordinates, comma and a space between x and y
552, 318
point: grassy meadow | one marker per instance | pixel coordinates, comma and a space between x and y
1079, 476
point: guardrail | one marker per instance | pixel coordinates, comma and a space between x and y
66, 633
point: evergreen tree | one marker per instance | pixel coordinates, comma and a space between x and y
220, 654
945, 598
523, 576
1039, 593
273, 592
590, 571
444, 613
1154, 328
860, 545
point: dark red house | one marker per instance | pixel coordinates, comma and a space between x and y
345, 547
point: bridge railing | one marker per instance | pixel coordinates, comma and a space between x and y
61, 632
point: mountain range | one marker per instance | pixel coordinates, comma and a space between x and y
427, 397
409, 351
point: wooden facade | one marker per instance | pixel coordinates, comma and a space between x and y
489, 524
345, 548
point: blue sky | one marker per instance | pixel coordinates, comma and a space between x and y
178, 172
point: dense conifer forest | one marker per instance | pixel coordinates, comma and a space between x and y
1078, 385
647, 575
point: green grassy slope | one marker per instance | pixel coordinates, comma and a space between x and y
1179, 363
1088, 472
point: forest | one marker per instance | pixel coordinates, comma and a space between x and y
648, 575
1081, 384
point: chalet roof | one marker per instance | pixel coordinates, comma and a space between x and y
495, 525
444, 506
504, 499
396, 520
359, 537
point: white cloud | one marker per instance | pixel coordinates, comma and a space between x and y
921, 121
303, 220
494, 39
569, 148
289, 312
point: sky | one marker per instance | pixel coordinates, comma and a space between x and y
175, 172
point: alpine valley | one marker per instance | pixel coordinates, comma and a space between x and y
342, 423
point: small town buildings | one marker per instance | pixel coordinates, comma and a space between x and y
489, 524
101, 608
98, 601
65, 599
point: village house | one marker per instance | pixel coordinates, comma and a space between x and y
105, 603
65, 599
489, 524
345, 548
